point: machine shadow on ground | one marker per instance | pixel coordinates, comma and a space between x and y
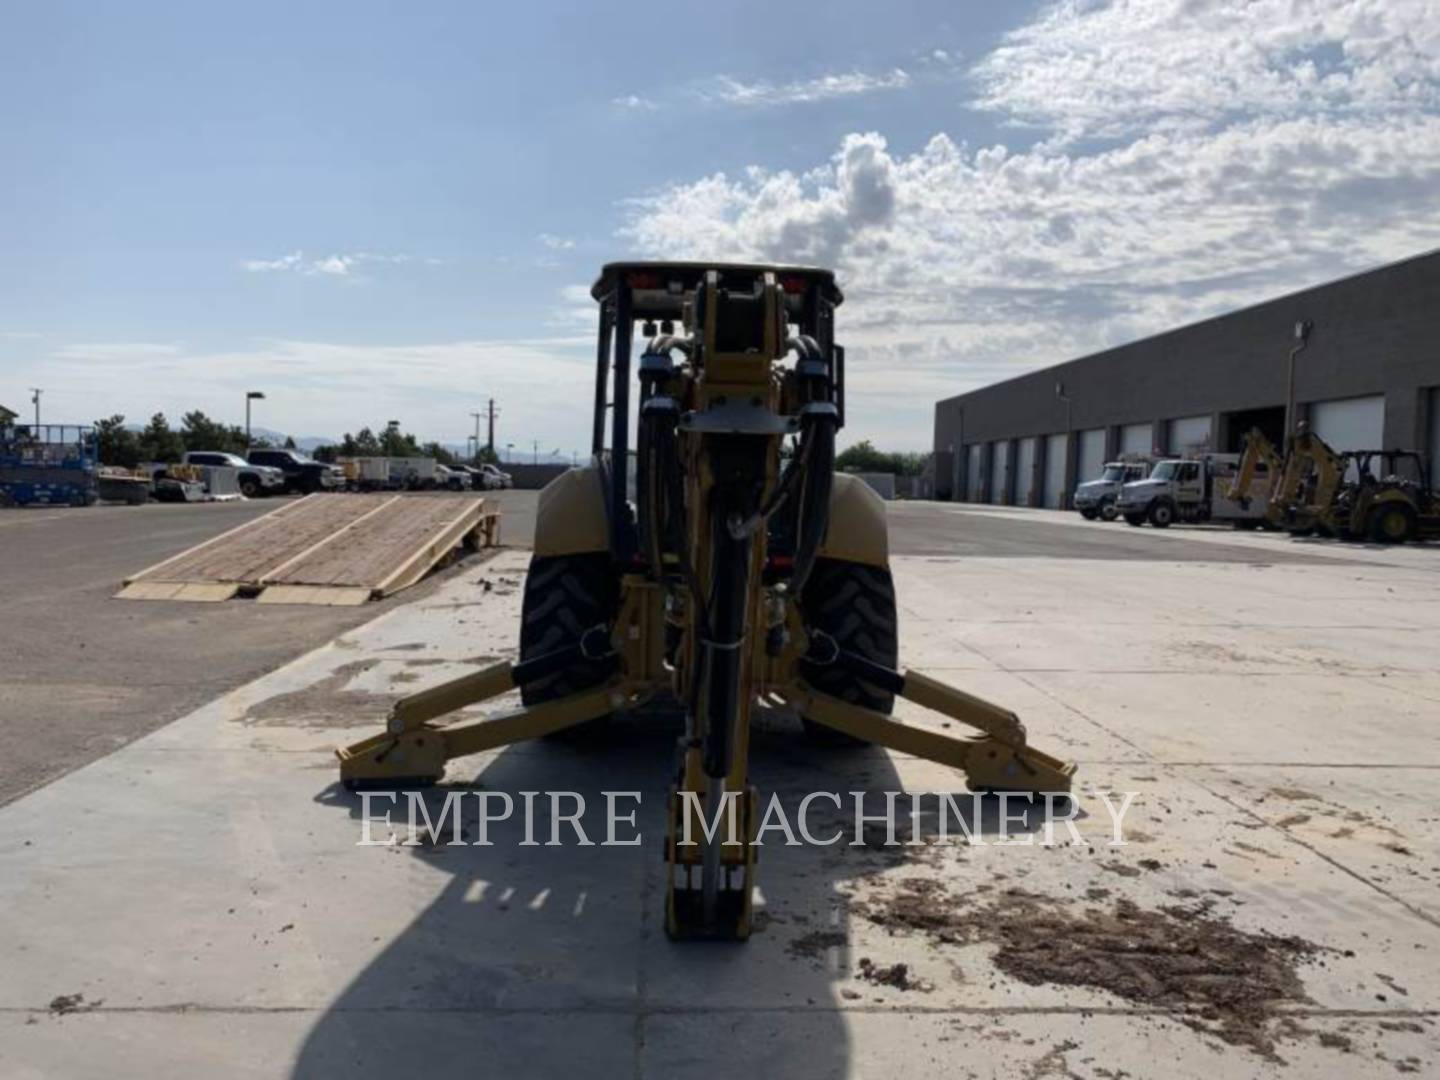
540, 960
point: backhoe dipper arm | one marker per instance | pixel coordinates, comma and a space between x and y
1258, 450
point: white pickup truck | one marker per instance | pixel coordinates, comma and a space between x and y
253, 480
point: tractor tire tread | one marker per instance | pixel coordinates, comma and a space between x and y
565, 595
855, 604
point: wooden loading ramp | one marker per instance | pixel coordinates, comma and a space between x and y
323, 549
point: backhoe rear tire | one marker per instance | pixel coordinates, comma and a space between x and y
854, 604
566, 595
1392, 524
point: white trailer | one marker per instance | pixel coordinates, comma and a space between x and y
411, 473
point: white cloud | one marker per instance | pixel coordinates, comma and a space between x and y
730, 91
1197, 166
634, 101
337, 265
101, 354
556, 243
293, 261
1109, 69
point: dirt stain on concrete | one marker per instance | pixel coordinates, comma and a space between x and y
1216, 978
324, 704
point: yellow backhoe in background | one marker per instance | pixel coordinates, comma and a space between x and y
1383, 496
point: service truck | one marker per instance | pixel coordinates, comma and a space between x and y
1096, 498
1193, 490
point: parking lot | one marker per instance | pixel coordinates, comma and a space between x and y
1270, 701
85, 675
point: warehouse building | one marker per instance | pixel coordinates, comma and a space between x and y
1368, 377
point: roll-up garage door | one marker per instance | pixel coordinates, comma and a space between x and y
1136, 439
999, 472
972, 472
1350, 423
1054, 471
1024, 471
1189, 434
1092, 455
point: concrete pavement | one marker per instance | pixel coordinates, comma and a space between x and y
196, 902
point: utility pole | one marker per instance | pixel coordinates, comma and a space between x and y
537, 451
476, 454
490, 443
36, 392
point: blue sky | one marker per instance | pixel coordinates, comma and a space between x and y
375, 210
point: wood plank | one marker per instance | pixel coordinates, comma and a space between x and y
389, 541
327, 595
323, 549
200, 593
246, 555
441, 543
277, 572
153, 571
149, 590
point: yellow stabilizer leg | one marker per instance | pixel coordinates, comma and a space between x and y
998, 760
413, 750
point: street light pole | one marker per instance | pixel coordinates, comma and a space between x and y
35, 398
250, 395
476, 456
1302, 339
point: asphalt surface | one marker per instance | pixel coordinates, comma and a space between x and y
955, 529
84, 674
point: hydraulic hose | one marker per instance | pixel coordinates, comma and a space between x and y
818, 479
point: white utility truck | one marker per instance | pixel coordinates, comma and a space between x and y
1096, 498
1192, 490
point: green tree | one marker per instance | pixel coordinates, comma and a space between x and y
199, 432
395, 443
158, 443
290, 443
116, 444
438, 452
364, 444
863, 457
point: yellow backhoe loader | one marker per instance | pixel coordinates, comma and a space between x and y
1352, 494
743, 569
